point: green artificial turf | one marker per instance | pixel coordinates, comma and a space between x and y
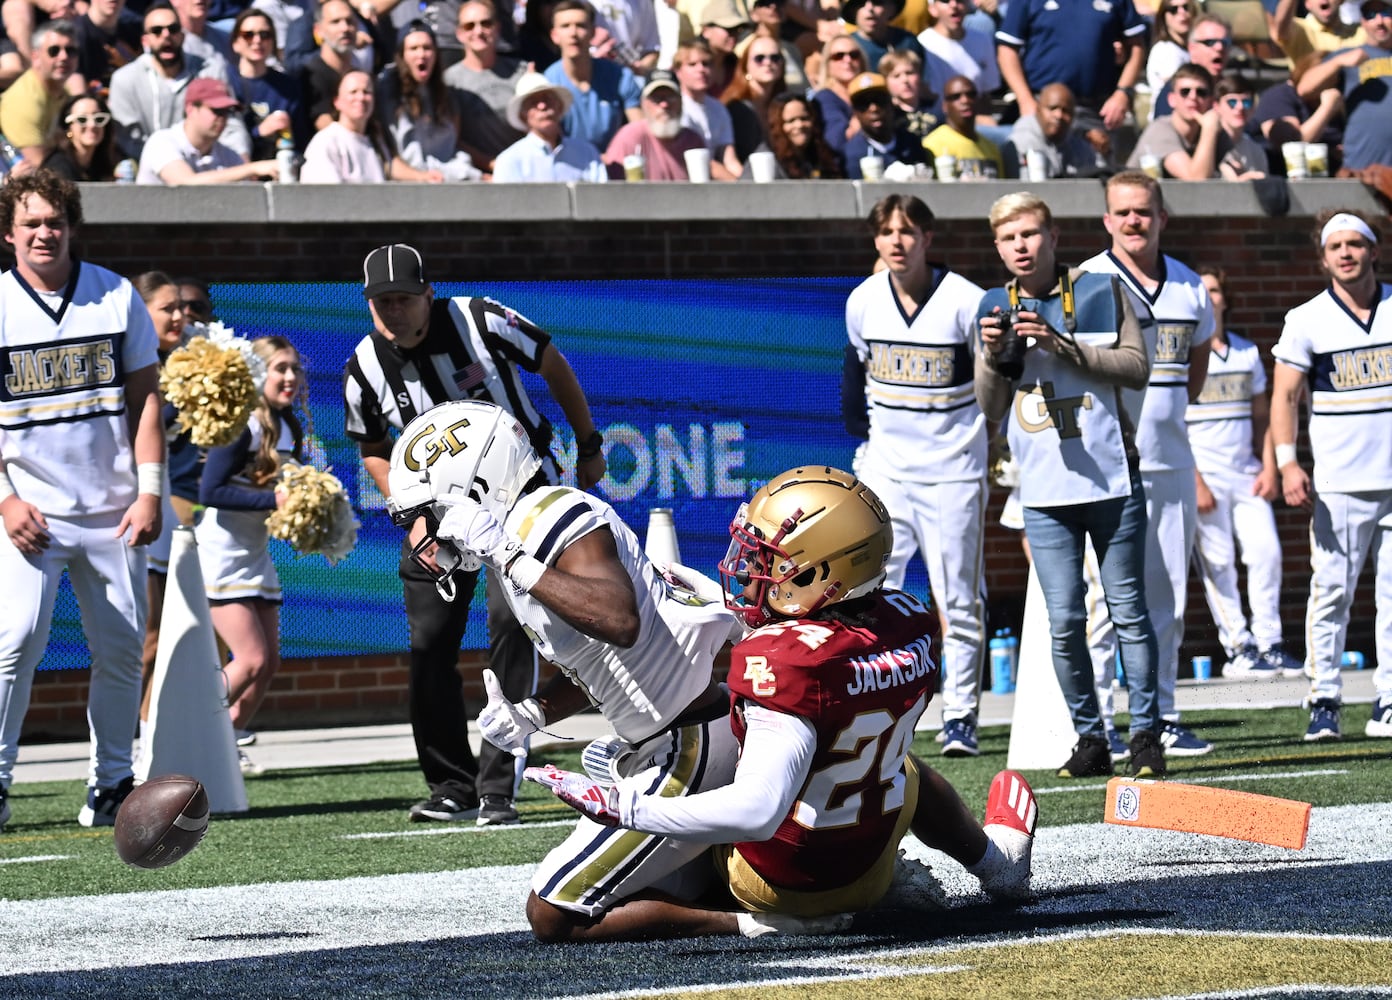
300, 821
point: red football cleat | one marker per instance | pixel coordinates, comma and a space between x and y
1011, 803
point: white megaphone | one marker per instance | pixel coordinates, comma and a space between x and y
661, 546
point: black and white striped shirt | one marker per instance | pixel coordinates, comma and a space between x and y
473, 349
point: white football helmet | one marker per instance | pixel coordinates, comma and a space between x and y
463, 449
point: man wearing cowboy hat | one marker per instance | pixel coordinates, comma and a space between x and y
543, 154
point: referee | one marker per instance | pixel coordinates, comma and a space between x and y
424, 351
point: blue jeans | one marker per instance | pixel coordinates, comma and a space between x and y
1118, 531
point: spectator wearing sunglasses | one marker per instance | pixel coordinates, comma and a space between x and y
842, 60
758, 80
955, 49
767, 16
978, 158
190, 153
149, 94
1169, 42
878, 136
1210, 45
1246, 160
270, 99
483, 82
873, 31
1364, 75
1190, 141
82, 144
30, 106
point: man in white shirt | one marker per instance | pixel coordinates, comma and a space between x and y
190, 153
952, 50
544, 154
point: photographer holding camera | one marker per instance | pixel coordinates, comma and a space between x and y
1076, 342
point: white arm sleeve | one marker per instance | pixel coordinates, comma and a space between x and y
773, 766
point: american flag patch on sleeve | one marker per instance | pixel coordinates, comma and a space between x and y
468, 378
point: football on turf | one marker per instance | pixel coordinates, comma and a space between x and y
161, 821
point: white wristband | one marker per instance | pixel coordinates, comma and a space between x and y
524, 572
531, 708
1285, 455
149, 478
6, 487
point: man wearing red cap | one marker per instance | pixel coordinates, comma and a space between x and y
190, 153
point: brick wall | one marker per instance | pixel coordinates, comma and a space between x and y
1270, 263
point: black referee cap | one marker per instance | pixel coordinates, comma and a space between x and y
393, 268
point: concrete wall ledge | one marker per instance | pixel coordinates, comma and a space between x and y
248, 204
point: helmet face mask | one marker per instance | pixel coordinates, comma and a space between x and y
457, 451
809, 538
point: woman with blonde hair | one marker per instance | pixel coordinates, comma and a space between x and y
842, 61
239, 489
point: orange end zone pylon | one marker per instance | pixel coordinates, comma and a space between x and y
1219, 812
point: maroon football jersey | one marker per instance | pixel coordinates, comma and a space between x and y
863, 688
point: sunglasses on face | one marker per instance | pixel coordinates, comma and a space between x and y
1213, 43
99, 119
164, 29
486, 22
772, 57
1238, 102
869, 101
1177, 10
196, 307
1373, 15
252, 35
1200, 92
958, 95
68, 50
220, 112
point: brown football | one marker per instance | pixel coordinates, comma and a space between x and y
161, 821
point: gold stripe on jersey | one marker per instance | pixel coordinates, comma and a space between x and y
946, 400
1361, 402
620, 848
90, 405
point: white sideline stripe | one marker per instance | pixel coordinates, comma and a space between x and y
36, 857
1210, 781
436, 831
1299, 991
865, 972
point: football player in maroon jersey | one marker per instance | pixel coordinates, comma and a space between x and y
825, 692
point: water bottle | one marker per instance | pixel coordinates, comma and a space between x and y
1002, 677
9, 156
125, 172
1012, 642
285, 159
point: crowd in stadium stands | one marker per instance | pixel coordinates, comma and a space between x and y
922, 86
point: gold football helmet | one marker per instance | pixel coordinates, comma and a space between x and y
810, 537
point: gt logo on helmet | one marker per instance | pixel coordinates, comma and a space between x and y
436, 443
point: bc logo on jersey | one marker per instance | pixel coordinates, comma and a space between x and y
51, 369
1037, 409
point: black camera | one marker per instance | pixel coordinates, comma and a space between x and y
1010, 359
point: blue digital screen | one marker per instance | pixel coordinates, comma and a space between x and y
703, 390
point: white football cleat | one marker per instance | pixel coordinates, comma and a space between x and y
752, 925
915, 887
1011, 816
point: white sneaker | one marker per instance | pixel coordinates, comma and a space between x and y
752, 925
1011, 816
249, 766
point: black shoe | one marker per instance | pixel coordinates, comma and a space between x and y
497, 810
1092, 758
103, 804
444, 808
1147, 755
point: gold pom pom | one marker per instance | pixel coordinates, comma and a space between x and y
213, 389
316, 516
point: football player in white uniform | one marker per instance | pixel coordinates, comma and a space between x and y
625, 640
1338, 344
81, 474
911, 329
1236, 482
1177, 320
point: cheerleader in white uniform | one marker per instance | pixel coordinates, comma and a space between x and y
239, 489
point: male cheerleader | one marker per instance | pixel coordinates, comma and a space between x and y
1177, 321
82, 447
1337, 344
910, 359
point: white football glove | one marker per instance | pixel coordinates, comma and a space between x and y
505, 725
579, 792
472, 529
